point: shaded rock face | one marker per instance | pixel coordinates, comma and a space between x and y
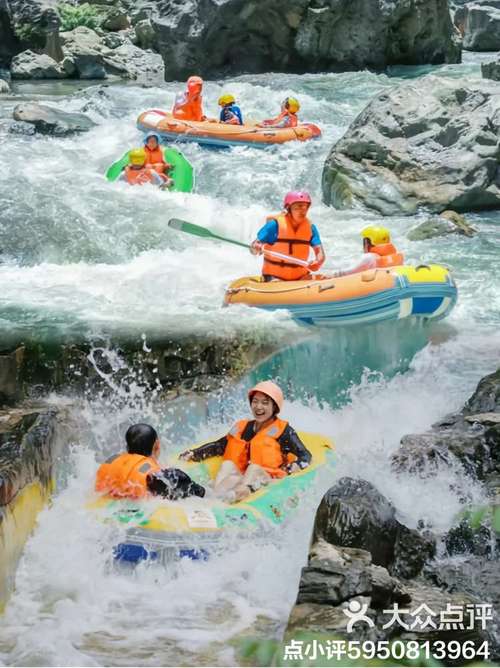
38, 23
354, 514
9, 44
470, 439
433, 144
11, 363
482, 26
49, 121
237, 36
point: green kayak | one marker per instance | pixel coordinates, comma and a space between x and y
181, 172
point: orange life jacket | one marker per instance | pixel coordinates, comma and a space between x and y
263, 449
154, 155
125, 475
294, 241
187, 108
285, 120
388, 256
138, 177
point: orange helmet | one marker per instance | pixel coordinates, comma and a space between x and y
193, 83
271, 390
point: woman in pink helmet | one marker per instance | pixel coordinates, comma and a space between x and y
290, 233
255, 451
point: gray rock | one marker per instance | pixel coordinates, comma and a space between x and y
449, 222
116, 19
113, 40
10, 375
38, 23
47, 120
83, 48
432, 143
482, 26
301, 36
4, 86
354, 514
19, 128
145, 36
29, 65
491, 70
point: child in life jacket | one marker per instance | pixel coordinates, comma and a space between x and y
379, 252
137, 173
154, 157
230, 112
287, 118
255, 451
136, 473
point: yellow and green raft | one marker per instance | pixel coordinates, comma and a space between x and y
181, 173
156, 525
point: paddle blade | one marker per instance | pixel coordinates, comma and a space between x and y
189, 228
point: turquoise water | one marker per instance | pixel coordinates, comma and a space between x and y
80, 258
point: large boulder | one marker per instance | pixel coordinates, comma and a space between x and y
482, 26
49, 121
354, 514
301, 35
30, 65
433, 143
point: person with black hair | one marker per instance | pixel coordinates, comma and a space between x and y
137, 472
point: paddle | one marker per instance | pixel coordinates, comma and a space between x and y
199, 231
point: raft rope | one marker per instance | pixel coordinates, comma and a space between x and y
321, 288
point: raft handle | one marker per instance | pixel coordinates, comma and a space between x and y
322, 288
422, 266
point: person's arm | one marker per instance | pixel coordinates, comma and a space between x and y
268, 234
173, 484
212, 449
368, 261
291, 444
319, 252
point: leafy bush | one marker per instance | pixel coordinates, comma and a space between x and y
74, 16
30, 35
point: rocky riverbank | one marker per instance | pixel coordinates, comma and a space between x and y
362, 556
96, 39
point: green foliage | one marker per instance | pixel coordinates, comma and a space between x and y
30, 35
488, 515
74, 16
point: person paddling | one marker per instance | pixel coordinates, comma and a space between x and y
290, 233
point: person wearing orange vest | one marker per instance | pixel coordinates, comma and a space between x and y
255, 451
287, 118
188, 106
137, 173
155, 158
379, 252
136, 473
290, 233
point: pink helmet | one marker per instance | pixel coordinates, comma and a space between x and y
194, 82
296, 196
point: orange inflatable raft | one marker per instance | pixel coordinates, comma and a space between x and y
425, 291
221, 134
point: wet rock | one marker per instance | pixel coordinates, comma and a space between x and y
432, 143
354, 514
469, 439
482, 26
49, 121
4, 86
83, 53
491, 70
30, 65
449, 222
145, 36
305, 36
19, 128
11, 363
